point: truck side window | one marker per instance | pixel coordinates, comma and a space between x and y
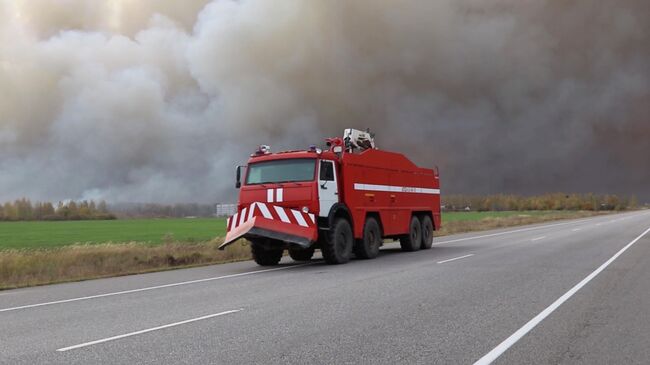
326, 171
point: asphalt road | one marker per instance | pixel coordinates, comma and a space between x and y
570, 292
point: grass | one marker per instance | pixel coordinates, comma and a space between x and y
30, 235
476, 216
36, 253
19, 268
458, 222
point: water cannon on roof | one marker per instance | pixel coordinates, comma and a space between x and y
262, 150
358, 140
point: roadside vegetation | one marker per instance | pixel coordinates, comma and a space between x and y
19, 268
545, 202
36, 253
459, 222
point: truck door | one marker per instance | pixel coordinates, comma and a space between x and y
328, 193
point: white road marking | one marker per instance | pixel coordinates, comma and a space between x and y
521, 230
576, 229
538, 238
149, 288
146, 330
455, 258
508, 342
510, 232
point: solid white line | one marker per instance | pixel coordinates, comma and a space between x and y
455, 258
538, 238
508, 342
146, 331
576, 229
513, 231
149, 288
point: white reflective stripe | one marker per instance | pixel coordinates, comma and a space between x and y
269, 195
282, 214
278, 195
313, 218
265, 210
396, 189
228, 223
299, 218
251, 211
234, 220
242, 217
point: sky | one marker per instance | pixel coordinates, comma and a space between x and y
158, 100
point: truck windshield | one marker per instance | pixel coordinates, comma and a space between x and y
299, 169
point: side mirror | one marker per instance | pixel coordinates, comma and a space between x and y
238, 178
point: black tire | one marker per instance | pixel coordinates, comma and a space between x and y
301, 254
264, 256
413, 240
337, 248
427, 232
368, 246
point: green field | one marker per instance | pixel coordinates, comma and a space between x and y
53, 234
154, 231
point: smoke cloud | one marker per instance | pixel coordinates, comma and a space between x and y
158, 100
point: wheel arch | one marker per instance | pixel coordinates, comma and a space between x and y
377, 217
423, 213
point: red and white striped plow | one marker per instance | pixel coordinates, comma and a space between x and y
272, 221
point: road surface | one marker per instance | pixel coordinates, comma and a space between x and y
568, 292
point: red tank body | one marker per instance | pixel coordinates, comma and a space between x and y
344, 200
390, 184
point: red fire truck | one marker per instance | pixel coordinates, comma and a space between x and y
343, 200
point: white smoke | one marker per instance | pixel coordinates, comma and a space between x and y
157, 100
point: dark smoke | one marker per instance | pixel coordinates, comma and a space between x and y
157, 100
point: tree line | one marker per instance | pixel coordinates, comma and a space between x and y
552, 201
153, 210
25, 210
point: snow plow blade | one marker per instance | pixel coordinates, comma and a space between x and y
262, 220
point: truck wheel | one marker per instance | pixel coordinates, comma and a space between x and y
427, 232
265, 257
301, 254
413, 240
338, 247
368, 246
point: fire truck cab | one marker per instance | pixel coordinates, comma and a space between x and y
344, 200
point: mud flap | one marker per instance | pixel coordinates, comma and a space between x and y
283, 224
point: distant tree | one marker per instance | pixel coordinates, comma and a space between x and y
102, 207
